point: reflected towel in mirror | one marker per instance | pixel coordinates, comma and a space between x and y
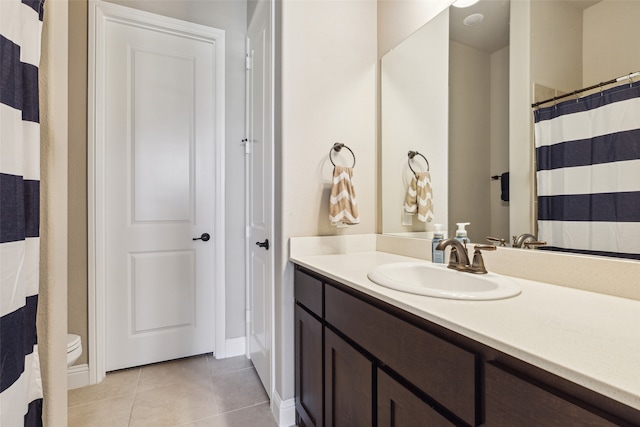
420, 197
343, 207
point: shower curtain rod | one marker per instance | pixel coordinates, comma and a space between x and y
575, 92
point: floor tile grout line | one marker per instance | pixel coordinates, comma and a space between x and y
233, 371
229, 412
91, 402
135, 395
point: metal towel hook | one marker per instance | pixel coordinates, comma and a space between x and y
337, 147
411, 155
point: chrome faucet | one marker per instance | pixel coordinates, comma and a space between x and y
526, 240
459, 257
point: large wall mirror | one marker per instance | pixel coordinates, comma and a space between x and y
459, 90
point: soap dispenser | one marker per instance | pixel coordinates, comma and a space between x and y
436, 255
461, 232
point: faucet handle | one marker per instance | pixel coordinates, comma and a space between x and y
454, 259
477, 265
497, 240
529, 244
484, 248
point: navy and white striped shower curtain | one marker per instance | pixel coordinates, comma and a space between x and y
588, 172
20, 380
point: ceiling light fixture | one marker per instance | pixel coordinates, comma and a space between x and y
472, 20
464, 3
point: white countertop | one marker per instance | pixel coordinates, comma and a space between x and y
586, 337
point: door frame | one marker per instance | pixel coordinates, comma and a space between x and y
99, 13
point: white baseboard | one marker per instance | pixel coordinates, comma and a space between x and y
77, 376
284, 411
235, 347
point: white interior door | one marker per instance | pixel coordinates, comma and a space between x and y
159, 136
260, 193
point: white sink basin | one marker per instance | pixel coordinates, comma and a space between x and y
436, 280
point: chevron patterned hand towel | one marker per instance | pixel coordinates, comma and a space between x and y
420, 197
343, 207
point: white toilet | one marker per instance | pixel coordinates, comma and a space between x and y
74, 349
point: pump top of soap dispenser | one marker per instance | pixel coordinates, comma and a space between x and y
437, 233
461, 232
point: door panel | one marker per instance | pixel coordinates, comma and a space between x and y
159, 194
167, 279
162, 137
260, 193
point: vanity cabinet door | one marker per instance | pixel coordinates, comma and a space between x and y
397, 406
308, 363
512, 401
348, 384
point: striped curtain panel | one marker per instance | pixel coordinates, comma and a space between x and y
588, 171
20, 381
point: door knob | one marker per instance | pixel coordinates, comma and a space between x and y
205, 237
264, 244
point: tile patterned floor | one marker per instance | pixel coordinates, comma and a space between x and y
194, 392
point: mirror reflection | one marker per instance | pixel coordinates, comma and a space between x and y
556, 47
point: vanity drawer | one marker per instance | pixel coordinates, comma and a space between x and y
443, 371
308, 292
513, 401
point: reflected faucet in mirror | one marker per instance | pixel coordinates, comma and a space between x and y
459, 257
526, 241
502, 242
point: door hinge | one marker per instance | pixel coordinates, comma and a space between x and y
247, 146
247, 232
248, 62
248, 316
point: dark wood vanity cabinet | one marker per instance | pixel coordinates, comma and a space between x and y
309, 380
309, 350
397, 406
512, 400
348, 382
361, 362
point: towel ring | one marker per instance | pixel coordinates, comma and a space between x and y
337, 147
411, 155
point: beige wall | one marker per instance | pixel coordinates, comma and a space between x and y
469, 140
52, 311
499, 136
398, 19
326, 92
556, 45
414, 117
521, 207
77, 186
610, 40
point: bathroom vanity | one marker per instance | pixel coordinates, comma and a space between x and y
368, 356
